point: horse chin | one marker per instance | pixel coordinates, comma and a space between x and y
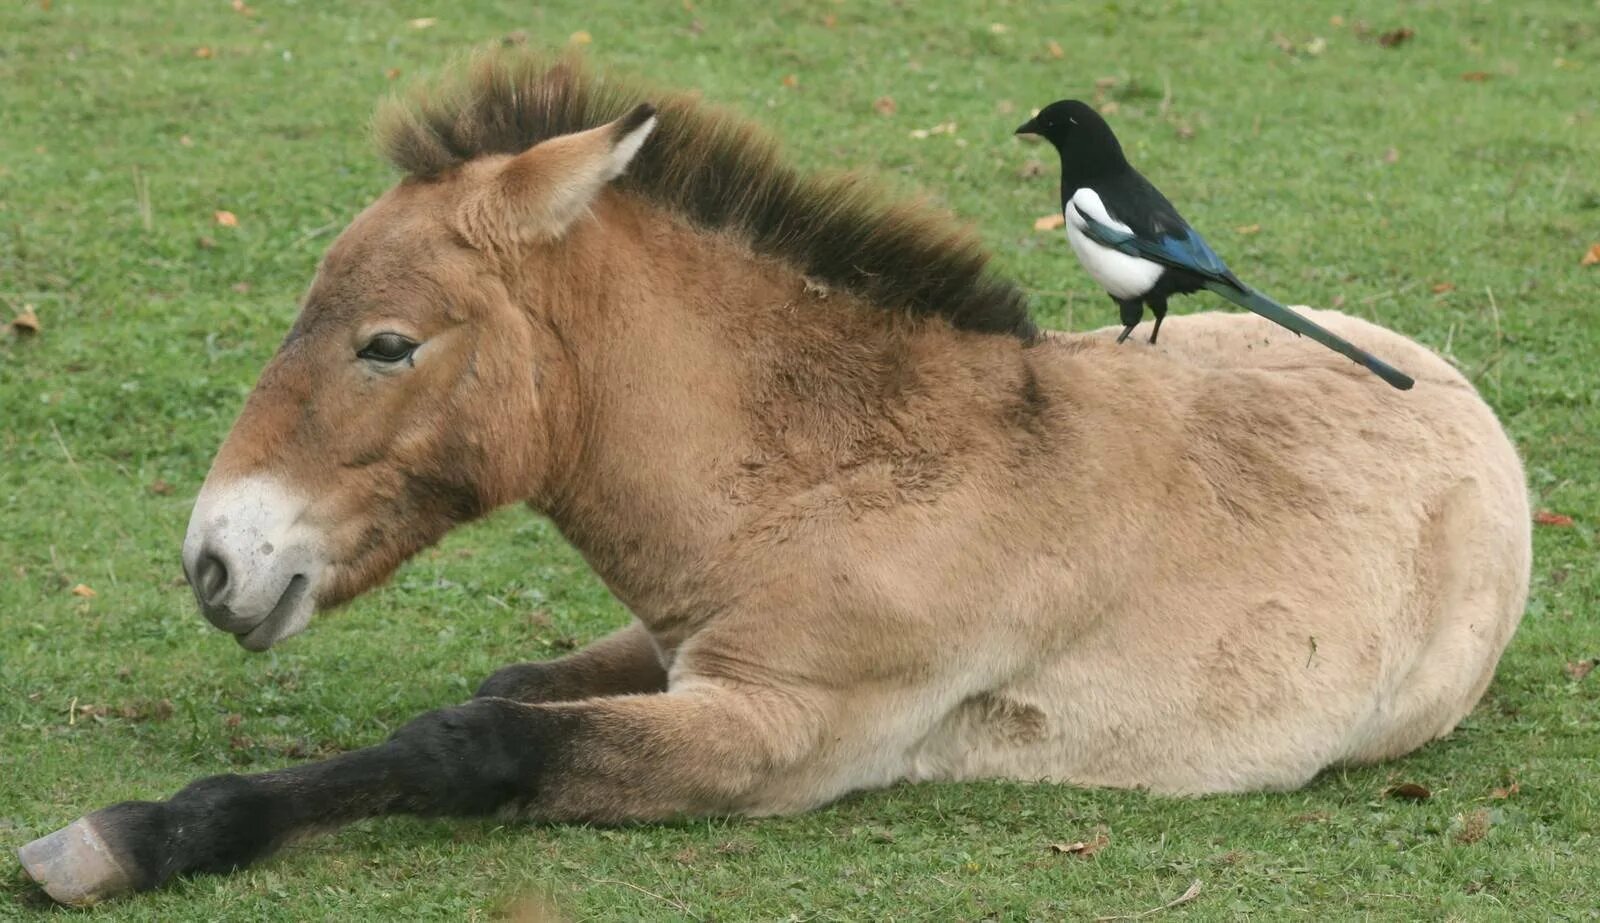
289, 616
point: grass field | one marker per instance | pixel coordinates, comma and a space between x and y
1446, 186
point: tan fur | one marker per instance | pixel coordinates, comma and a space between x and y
870, 546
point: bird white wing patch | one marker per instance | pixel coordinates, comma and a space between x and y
1122, 275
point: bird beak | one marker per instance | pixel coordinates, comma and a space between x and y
1027, 128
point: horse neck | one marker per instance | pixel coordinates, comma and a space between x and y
713, 385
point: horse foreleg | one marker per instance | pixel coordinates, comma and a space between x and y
621, 663
604, 760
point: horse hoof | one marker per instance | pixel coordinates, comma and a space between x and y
75, 866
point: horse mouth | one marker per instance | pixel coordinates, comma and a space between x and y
289, 616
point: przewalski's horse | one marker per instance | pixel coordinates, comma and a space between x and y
872, 525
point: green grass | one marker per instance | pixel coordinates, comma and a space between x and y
118, 143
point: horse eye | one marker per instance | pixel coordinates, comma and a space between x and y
387, 347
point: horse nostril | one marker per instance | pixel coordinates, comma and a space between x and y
211, 579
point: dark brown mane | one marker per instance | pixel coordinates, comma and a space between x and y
718, 171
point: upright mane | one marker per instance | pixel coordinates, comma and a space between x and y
719, 172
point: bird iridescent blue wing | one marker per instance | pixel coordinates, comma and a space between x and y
1187, 250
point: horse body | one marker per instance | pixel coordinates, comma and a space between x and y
872, 525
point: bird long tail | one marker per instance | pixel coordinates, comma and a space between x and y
1252, 300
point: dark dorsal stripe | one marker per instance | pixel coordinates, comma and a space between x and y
718, 171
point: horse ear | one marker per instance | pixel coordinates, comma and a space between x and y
539, 193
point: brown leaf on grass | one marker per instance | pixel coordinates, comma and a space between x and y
1083, 849
392, 73
1397, 37
83, 590
242, 8
1409, 791
791, 81
160, 488
1578, 669
1547, 518
1501, 794
203, 52
1591, 256
1472, 826
1442, 288
1055, 50
830, 21
1476, 76
580, 37
1247, 229
884, 106
1050, 222
26, 323
227, 219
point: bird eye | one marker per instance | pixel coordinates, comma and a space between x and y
387, 347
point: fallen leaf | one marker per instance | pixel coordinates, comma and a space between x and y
160, 488
1410, 791
26, 323
791, 81
1248, 229
1083, 849
1336, 21
203, 52
242, 8
1444, 287
1396, 37
1472, 826
227, 219
1590, 256
580, 37
1501, 794
391, 73
830, 21
425, 22
1547, 518
1050, 222
84, 591
1055, 50
1578, 669
1476, 76
884, 105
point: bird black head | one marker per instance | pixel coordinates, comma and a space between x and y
1084, 140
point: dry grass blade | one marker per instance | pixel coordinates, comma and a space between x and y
1184, 898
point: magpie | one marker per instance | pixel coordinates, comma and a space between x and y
1135, 244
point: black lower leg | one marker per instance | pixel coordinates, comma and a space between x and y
467, 760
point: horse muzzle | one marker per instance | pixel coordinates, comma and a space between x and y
252, 560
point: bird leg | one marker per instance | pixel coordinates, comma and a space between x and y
1159, 309
1132, 311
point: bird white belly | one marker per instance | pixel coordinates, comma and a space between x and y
1122, 275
